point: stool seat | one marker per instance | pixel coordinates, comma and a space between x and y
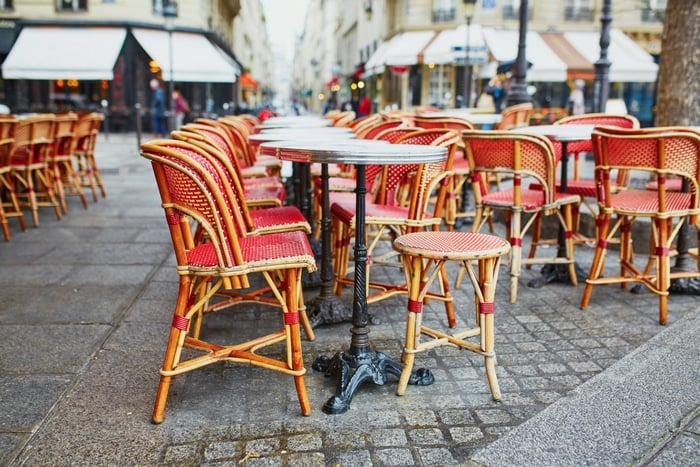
424, 255
456, 246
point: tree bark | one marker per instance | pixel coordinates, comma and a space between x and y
678, 94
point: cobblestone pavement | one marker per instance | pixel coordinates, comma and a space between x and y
85, 310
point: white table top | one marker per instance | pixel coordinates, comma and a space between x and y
475, 118
561, 133
358, 151
296, 122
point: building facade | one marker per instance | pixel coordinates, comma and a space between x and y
412, 53
101, 54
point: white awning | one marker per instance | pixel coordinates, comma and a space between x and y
195, 58
55, 52
546, 64
628, 61
450, 47
402, 49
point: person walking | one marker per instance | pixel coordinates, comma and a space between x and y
181, 108
159, 125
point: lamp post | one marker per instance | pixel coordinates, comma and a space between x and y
602, 65
469, 6
169, 14
518, 89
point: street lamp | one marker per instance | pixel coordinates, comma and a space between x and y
469, 6
602, 65
518, 90
169, 14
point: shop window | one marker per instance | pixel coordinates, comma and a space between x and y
71, 5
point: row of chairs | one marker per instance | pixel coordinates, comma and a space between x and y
492, 155
235, 242
43, 159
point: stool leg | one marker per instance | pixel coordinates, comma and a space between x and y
487, 277
414, 266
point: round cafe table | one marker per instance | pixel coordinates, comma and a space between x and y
326, 307
360, 363
478, 119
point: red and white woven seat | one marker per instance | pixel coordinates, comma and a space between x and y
192, 190
424, 256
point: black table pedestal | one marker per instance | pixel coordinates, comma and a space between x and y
353, 370
360, 363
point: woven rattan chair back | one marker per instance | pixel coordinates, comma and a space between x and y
514, 154
373, 130
660, 152
454, 123
515, 116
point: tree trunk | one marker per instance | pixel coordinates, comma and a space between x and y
678, 95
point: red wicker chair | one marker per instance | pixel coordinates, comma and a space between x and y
9, 207
523, 157
662, 153
515, 116
259, 192
29, 162
390, 218
190, 189
86, 130
61, 160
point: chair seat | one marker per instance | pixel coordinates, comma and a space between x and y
283, 218
261, 182
254, 171
460, 166
531, 200
255, 195
379, 213
260, 252
646, 203
672, 184
451, 245
584, 188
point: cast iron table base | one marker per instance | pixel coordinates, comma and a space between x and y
352, 370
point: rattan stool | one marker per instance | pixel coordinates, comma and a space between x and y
424, 255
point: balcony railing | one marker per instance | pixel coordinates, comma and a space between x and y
444, 15
650, 15
513, 12
578, 14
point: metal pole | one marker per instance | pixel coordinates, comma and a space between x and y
518, 89
601, 83
172, 81
467, 70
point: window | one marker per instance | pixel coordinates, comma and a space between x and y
511, 9
440, 86
444, 11
653, 11
578, 10
159, 4
71, 5
7, 4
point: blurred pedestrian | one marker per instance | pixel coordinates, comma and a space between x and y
577, 105
497, 92
364, 107
181, 108
159, 124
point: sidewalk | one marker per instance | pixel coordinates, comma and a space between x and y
85, 307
